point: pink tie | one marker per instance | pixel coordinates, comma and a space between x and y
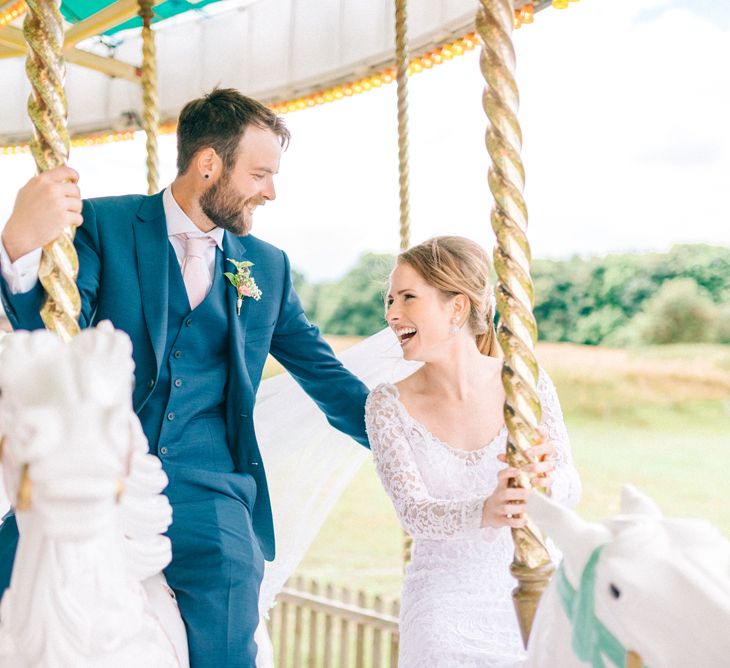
194, 269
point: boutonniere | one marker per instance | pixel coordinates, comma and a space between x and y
243, 282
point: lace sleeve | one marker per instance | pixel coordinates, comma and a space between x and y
566, 486
421, 515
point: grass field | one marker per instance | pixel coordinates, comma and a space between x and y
658, 418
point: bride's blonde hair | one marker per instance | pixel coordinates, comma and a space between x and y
459, 266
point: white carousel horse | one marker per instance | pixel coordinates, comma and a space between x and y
642, 590
86, 588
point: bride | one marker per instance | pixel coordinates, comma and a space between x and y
437, 438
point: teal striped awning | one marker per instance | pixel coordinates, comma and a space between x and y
75, 11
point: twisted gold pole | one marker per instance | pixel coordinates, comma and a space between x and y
401, 64
401, 78
407, 549
517, 330
150, 102
45, 67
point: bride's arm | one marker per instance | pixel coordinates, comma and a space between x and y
566, 487
421, 515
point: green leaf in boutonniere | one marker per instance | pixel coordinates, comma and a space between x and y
243, 282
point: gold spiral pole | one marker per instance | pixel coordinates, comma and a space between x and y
517, 329
401, 78
150, 101
45, 67
401, 65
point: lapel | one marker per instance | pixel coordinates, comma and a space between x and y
153, 260
234, 248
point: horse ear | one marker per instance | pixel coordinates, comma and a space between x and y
575, 537
633, 502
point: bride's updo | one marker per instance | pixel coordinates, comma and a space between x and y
456, 265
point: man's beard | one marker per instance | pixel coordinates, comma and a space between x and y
227, 209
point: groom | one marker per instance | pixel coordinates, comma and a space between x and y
155, 267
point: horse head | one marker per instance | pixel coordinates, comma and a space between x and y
59, 402
88, 504
638, 582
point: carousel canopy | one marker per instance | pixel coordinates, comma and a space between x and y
270, 49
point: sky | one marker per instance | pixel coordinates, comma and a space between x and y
624, 110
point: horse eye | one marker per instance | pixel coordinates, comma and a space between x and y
615, 591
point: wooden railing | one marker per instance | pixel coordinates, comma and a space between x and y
318, 626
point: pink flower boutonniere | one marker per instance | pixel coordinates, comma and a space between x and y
243, 282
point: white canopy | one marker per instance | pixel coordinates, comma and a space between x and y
269, 49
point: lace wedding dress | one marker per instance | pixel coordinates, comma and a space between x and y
456, 609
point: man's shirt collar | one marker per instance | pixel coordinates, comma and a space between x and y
179, 223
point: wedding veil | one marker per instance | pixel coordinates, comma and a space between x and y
309, 463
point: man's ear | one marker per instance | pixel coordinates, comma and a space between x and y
208, 164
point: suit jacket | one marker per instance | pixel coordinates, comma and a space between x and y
123, 253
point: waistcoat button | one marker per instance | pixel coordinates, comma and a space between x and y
163, 450
178, 382
171, 416
188, 322
151, 383
177, 354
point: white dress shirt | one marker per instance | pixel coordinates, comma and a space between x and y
22, 275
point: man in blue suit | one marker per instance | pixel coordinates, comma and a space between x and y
155, 267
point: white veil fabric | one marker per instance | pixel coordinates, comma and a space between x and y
309, 463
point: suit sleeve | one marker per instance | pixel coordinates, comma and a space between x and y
300, 348
23, 309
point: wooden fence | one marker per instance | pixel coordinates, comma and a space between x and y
318, 626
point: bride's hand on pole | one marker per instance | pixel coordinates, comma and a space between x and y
542, 467
506, 506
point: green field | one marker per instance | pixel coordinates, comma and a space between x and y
658, 418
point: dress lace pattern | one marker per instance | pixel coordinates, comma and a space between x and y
456, 609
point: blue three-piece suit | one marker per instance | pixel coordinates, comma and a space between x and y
196, 376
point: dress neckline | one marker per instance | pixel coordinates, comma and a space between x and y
402, 407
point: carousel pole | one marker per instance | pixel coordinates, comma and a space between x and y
401, 78
517, 331
150, 101
45, 67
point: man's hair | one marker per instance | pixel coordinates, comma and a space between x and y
218, 120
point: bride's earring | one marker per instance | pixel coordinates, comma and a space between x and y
454, 329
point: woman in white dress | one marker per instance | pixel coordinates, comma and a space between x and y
437, 438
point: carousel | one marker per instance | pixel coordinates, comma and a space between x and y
99, 72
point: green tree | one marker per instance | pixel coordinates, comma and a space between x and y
681, 311
354, 305
599, 300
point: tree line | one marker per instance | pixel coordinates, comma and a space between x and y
616, 300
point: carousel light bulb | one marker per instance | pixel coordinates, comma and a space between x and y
560, 4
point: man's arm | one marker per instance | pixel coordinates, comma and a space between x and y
300, 348
19, 289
